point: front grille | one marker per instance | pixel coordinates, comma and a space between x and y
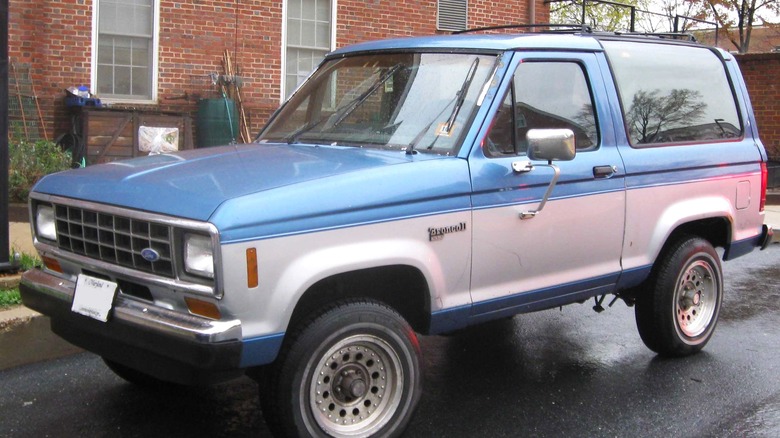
114, 239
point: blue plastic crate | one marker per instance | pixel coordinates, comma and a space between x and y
83, 101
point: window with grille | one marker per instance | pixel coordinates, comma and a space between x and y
309, 29
125, 49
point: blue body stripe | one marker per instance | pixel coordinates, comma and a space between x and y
742, 247
544, 298
448, 320
260, 351
633, 277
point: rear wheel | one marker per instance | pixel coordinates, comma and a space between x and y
351, 371
677, 312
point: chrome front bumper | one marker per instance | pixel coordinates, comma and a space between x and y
168, 345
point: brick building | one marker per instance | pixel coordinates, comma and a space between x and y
157, 55
760, 71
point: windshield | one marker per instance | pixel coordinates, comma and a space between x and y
420, 101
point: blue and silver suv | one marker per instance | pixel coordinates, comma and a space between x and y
409, 186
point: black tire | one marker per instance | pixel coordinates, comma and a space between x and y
352, 370
136, 377
678, 309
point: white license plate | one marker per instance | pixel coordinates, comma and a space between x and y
93, 297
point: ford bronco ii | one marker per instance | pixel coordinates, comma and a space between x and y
418, 185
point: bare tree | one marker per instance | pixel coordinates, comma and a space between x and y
652, 113
737, 17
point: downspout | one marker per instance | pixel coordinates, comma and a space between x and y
531, 11
6, 264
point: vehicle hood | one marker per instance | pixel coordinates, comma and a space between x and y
194, 184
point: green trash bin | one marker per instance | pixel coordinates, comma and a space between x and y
217, 122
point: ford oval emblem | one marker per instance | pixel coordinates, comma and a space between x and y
150, 255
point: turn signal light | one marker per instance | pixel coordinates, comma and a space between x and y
251, 268
203, 308
51, 264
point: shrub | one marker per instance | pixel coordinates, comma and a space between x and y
29, 162
9, 298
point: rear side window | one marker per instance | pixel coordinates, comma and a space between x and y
673, 94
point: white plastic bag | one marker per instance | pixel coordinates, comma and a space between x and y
156, 140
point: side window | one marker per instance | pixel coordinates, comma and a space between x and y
544, 95
501, 137
673, 94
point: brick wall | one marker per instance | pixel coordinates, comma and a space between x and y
760, 71
55, 37
365, 20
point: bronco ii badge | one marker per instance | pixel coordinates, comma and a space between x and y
438, 233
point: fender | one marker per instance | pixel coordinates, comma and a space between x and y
288, 266
648, 228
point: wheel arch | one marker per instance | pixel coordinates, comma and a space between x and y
716, 230
711, 218
402, 287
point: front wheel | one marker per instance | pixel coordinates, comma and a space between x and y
677, 311
354, 370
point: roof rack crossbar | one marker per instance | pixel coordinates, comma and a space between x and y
670, 35
584, 28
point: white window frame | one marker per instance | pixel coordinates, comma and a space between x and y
283, 81
155, 55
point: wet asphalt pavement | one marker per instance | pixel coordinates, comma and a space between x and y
569, 372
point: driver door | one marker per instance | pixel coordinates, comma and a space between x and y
571, 249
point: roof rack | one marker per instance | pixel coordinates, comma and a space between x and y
668, 35
581, 28
562, 28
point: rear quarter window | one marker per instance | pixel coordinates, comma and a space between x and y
673, 93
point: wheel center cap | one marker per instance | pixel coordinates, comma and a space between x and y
691, 297
350, 384
357, 388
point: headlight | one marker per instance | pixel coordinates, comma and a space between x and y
45, 226
198, 255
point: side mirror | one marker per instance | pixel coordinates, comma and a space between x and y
551, 144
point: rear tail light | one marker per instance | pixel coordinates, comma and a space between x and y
764, 179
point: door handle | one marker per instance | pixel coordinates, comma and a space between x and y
604, 171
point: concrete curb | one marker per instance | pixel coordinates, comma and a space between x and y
26, 337
10, 281
10, 318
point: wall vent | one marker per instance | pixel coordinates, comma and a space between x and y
452, 15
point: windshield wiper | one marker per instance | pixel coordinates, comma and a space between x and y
295, 135
347, 109
344, 111
459, 98
412, 144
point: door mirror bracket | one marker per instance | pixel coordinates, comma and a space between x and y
551, 145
